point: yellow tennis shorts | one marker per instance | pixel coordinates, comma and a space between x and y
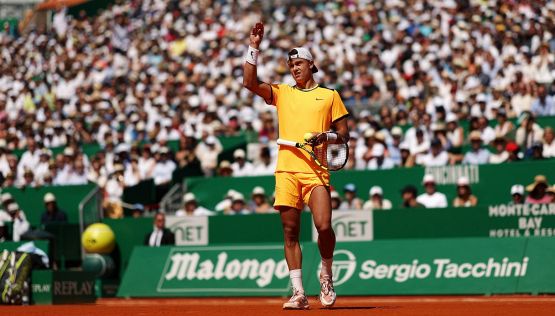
294, 188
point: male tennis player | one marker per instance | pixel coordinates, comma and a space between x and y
303, 108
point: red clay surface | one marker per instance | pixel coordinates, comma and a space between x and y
386, 306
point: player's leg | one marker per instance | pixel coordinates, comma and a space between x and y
291, 222
320, 205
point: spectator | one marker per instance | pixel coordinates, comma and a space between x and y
487, 133
238, 206
376, 201
544, 104
259, 203
351, 202
114, 192
437, 156
431, 198
409, 194
5, 199
517, 194
548, 143
267, 165
393, 148
501, 155
504, 126
241, 167
455, 134
379, 160
137, 210
164, 168
52, 213
528, 132
537, 151
537, 191
160, 235
225, 170
207, 153
514, 152
191, 207
477, 155
335, 200
20, 223
464, 197
407, 159
224, 206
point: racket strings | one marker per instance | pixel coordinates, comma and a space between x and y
332, 156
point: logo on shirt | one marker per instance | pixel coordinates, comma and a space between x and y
319, 99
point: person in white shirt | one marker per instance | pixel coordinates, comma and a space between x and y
241, 167
529, 132
132, 174
30, 158
487, 133
548, 143
191, 207
114, 192
267, 165
455, 133
77, 174
351, 201
376, 201
20, 223
207, 153
379, 160
146, 162
163, 170
437, 156
431, 198
238, 205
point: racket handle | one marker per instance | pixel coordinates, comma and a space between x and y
286, 143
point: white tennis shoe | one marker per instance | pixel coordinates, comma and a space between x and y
297, 301
327, 292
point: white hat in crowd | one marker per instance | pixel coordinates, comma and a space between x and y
49, 197
375, 190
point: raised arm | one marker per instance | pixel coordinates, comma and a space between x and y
250, 81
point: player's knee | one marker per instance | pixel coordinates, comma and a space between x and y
323, 228
291, 234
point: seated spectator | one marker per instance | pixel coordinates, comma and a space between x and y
335, 200
477, 155
504, 126
537, 191
376, 201
431, 198
455, 133
409, 193
514, 152
207, 153
407, 159
536, 152
5, 199
420, 143
225, 170
393, 148
20, 223
113, 193
191, 207
351, 202
437, 156
548, 143
517, 194
379, 160
163, 170
238, 206
241, 167
486, 132
544, 104
259, 203
52, 213
137, 210
464, 196
160, 235
501, 155
267, 165
528, 132
224, 206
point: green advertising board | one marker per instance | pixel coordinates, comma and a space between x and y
391, 267
62, 287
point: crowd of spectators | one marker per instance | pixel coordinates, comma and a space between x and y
143, 73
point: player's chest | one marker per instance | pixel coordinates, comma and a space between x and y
305, 103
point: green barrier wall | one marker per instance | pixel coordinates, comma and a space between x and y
438, 266
490, 183
68, 198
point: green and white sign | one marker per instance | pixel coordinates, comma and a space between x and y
350, 226
189, 230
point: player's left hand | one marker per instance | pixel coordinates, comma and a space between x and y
315, 139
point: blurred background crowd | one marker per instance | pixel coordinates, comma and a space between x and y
427, 82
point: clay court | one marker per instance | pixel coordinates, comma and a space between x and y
399, 306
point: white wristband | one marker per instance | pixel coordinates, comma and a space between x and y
252, 56
331, 136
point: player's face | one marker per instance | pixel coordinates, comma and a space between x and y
301, 69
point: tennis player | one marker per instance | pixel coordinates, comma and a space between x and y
303, 108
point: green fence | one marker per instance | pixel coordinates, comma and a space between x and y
490, 183
431, 266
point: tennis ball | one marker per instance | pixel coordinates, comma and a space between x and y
100, 265
307, 136
98, 238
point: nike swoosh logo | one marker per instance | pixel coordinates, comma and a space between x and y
318, 99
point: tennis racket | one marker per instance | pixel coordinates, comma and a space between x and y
328, 156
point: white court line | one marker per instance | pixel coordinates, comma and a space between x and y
348, 300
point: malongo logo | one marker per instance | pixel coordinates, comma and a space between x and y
345, 265
262, 268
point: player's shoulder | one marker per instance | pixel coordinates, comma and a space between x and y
324, 87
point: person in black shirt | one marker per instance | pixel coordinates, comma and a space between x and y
52, 214
160, 235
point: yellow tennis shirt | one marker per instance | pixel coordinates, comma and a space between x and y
299, 112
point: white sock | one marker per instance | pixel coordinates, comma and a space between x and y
296, 279
326, 267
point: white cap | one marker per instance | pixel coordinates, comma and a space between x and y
369, 133
68, 151
481, 97
404, 146
12, 207
451, 117
334, 195
210, 140
49, 197
163, 150
376, 190
189, 197
378, 150
428, 178
6, 197
258, 191
463, 181
239, 153
303, 53
396, 131
517, 189
238, 197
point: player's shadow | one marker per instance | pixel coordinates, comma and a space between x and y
359, 307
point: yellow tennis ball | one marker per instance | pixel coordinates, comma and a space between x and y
307, 136
98, 238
